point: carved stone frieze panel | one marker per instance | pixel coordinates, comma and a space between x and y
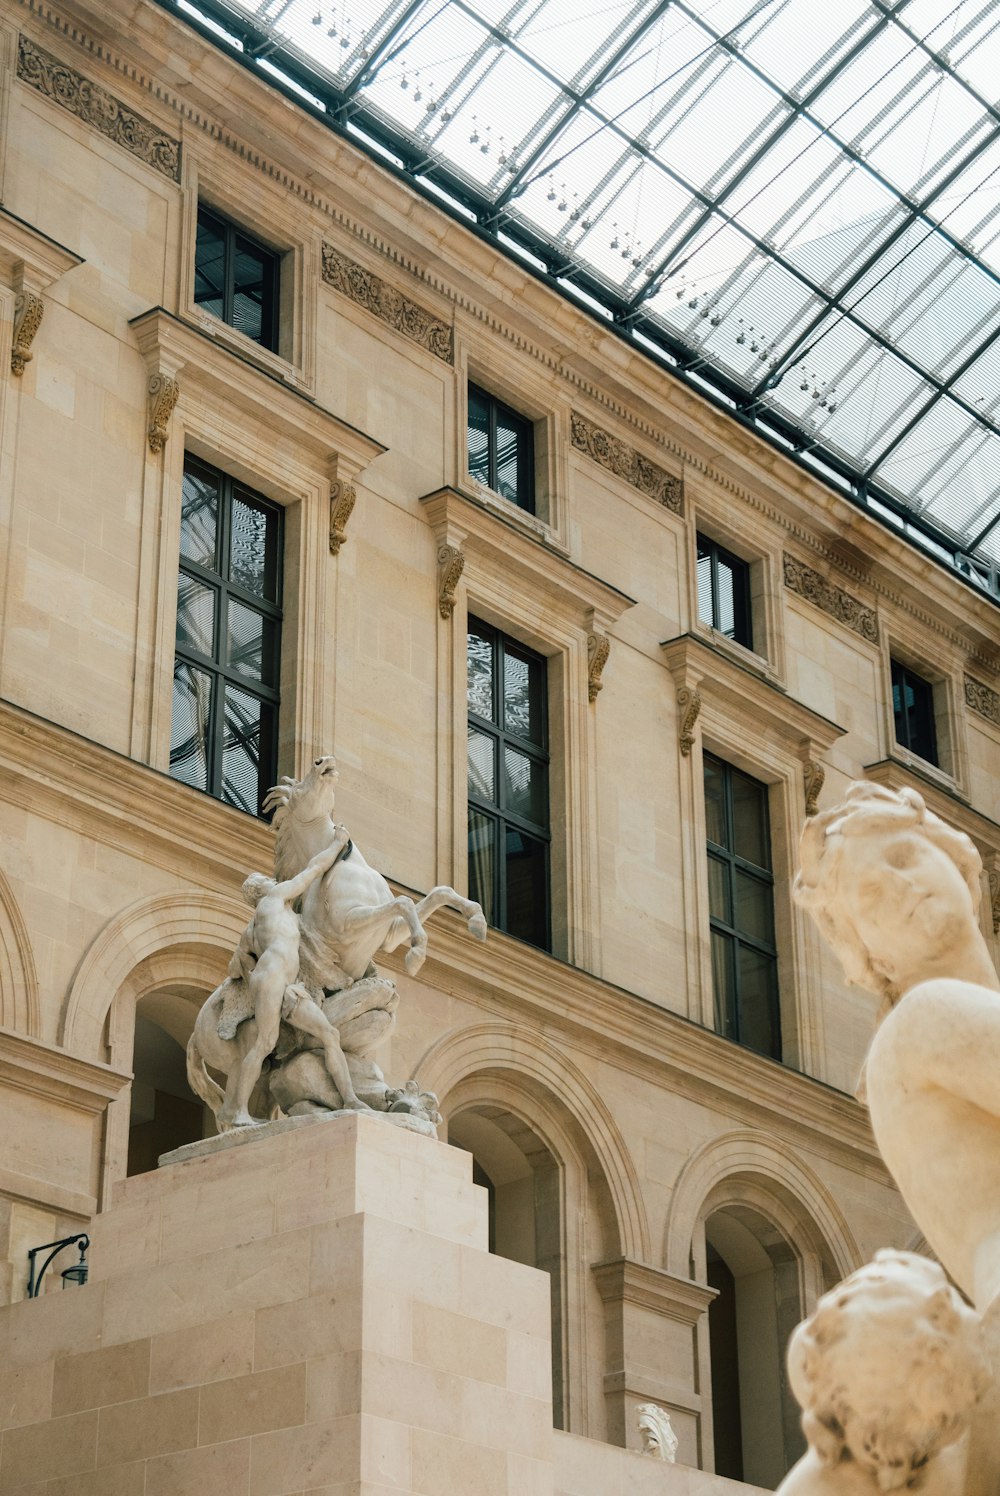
805, 582
598, 649
451, 564
982, 700
28, 312
342, 500
388, 304
625, 462
98, 108
162, 393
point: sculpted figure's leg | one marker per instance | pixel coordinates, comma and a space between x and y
307, 1016
397, 917
267, 988
445, 897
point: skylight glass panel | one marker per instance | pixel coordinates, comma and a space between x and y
572, 41
979, 386
945, 469
967, 34
799, 41
970, 207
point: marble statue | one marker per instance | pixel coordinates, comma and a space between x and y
656, 1432
296, 1021
888, 1370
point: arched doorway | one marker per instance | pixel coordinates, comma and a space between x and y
163, 1112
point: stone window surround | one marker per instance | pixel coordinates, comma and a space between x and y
555, 608
930, 658
258, 431
711, 513
505, 373
747, 721
280, 229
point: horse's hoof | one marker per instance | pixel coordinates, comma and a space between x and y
478, 926
414, 959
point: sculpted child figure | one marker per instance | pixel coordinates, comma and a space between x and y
272, 936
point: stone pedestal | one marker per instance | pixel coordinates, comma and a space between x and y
312, 1312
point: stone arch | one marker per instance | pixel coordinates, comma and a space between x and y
500, 1048
745, 1167
19, 1005
146, 940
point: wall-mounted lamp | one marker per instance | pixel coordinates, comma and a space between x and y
75, 1274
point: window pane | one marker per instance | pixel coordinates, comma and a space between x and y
759, 1029
252, 273
509, 443
253, 548
252, 643
190, 725
705, 610
526, 787
754, 907
248, 735
723, 984
195, 615
750, 839
199, 516
527, 911
715, 802
480, 673
726, 621
482, 767
479, 436
718, 890
482, 863
210, 266
523, 696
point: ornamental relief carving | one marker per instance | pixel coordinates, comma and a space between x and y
162, 394
28, 312
598, 649
805, 582
342, 500
814, 777
689, 705
389, 305
982, 700
451, 564
625, 462
98, 108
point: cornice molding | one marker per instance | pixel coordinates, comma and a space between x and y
810, 584
46, 1070
625, 1281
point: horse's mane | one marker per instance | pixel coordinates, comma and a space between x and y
281, 799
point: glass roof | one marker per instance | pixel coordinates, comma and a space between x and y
796, 205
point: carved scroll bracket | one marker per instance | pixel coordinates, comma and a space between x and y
688, 708
598, 649
451, 564
993, 874
162, 393
29, 309
342, 500
813, 774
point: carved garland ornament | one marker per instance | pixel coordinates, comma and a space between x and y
815, 588
386, 303
625, 462
342, 499
689, 705
451, 564
983, 701
162, 393
28, 312
598, 649
97, 108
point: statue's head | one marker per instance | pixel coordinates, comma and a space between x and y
888, 1368
255, 887
307, 798
889, 884
656, 1432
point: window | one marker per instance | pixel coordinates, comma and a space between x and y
913, 712
501, 449
508, 784
724, 592
741, 908
236, 279
225, 712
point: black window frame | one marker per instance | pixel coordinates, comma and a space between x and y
728, 1022
915, 738
497, 811
224, 588
231, 234
708, 549
525, 428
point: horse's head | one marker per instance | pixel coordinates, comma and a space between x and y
299, 804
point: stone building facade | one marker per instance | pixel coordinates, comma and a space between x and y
652, 1164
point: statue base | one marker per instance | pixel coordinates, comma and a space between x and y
223, 1141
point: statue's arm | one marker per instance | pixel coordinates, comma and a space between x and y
295, 887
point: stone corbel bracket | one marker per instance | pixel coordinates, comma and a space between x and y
29, 309
343, 497
29, 263
993, 874
813, 777
451, 564
162, 393
598, 650
688, 707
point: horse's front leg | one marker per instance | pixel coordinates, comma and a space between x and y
442, 897
389, 923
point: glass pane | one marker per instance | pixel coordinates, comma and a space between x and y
718, 890
527, 889
482, 766
253, 548
715, 802
750, 820
247, 749
510, 438
726, 621
723, 984
210, 266
200, 517
479, 436
253, 643
526, 790
482, 862
705, 612
190, 725
759, 1023
524, 696
754, 907
480, 673
195, 615
252, 274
